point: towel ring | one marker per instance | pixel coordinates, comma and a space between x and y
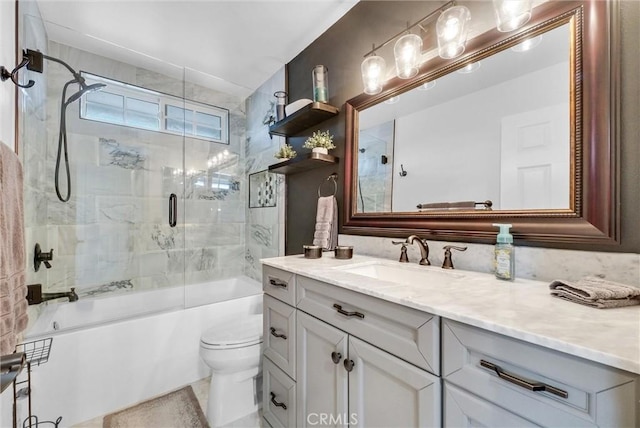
333, 178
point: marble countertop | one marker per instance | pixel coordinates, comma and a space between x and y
522, 309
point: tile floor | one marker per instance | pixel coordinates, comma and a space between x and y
201, 389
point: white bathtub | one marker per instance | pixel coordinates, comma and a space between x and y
95, 370
61, 316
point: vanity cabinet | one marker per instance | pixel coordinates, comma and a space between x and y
346, 381
540, 385
351, 359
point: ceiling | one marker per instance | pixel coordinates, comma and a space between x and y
233, 46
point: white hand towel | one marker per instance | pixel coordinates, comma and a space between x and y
326, 230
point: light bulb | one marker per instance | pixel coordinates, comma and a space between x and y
373, 70
511, 14
452, 28
407, 52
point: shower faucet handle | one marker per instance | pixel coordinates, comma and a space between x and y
42, 257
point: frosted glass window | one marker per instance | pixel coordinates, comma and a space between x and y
104, 107
128, 105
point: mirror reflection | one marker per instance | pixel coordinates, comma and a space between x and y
503, 124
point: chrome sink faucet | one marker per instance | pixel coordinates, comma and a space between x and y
424, 249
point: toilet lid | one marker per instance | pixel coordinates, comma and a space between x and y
246, 331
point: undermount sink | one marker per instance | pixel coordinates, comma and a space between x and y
404, 274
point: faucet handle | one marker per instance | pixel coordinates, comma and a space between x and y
448, 262
404, 258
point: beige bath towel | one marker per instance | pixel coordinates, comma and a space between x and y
13, 305
326, 230
596, 292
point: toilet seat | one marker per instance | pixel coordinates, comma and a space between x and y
234, 334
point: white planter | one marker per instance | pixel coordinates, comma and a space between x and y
322, 150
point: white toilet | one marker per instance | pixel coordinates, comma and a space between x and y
233, 350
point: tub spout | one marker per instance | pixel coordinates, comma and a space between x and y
36, 296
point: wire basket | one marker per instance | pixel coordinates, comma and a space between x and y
33, 422
37, 352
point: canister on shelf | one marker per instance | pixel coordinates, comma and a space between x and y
320, 83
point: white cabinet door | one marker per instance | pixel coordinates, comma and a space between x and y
385, 391
322, 380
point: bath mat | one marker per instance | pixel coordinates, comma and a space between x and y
177, 409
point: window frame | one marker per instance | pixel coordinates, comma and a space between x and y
163, 100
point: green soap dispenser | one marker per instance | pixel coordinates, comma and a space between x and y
504, 255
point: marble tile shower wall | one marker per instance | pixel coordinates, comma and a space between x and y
113, 235
265, 226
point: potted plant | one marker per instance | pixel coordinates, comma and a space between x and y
320, 142
286, 152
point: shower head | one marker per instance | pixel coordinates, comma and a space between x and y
84, 88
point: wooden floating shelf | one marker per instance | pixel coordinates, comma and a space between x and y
303, 119
304, 163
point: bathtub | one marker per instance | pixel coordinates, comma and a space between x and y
98, 365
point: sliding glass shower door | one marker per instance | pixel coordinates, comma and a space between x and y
121, 232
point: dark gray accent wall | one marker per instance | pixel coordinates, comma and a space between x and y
341, 49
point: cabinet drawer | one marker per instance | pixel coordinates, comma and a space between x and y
279, 336
578, 392
464, 410
279, 396
279, 284
407, 333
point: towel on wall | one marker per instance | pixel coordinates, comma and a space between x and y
13, 290
326, 231
596, 292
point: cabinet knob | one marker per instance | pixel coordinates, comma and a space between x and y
336, 357
348, 365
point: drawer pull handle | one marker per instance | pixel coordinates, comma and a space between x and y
275, 403
274, 334
336, 357
277, 283
348, 365
347, 314
531, 386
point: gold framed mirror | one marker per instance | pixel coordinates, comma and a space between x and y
408, 170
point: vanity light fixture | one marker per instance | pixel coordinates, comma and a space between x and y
452, 28
469, 68
511, 14
407, 52
528, 44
